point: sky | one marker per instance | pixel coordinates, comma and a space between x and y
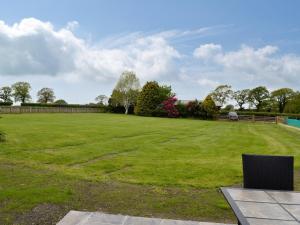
80, 48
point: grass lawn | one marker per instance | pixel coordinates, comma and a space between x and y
169, 168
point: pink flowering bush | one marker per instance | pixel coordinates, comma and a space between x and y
170, 107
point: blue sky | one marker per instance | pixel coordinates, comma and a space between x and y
79, 48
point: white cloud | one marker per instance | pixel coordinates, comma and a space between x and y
72, 25
208, 83
36, 47
262, 65
207, 51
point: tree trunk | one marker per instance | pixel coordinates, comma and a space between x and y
126, 110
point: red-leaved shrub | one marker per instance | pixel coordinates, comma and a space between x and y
169, 106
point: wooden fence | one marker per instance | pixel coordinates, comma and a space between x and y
30, 109
253, 118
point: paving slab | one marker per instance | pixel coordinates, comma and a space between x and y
253, 221
74, 217
178, 222
247, 195
99, 218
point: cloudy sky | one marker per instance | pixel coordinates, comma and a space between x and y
80, 48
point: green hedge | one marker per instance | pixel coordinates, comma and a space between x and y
262, 113
6, 103
62, 105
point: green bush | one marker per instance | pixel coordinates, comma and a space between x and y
60, 102
159, 111
194, 109
182, 109
151, 96
119, 109
6, 103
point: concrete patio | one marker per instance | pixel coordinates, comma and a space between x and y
98, 218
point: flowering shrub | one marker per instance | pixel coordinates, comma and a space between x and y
169, 106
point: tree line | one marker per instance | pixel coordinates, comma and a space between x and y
154, 99
259, 99
20, 92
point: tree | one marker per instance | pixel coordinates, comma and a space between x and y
151, 96
101, 99
6, 94
46, 95
126, 90
221, 94
259, 96
229, 107
282, 97
194, 109
60, 102
209, 107
21, 91
293, 106
241, 97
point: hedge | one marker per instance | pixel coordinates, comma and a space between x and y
262, 113
62, 105
6, 103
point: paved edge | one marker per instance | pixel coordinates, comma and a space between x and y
85, 218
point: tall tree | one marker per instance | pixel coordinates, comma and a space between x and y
221, 94
282, 97
241, 97
101, 99
258, 96
151, 96
46, 95
6, 94
126, 91
21, 91
293, 106
209, 107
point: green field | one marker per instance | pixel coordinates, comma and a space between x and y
51, 163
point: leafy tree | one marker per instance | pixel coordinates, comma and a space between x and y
151, 96
293, 106
101, 99
221, 94
165, 92
229, 107
60, 102
282, 97
126, 90
45, 95
259, 96
209, 107
21, 91
241, 97
6, 94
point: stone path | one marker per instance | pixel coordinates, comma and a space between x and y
98, 218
